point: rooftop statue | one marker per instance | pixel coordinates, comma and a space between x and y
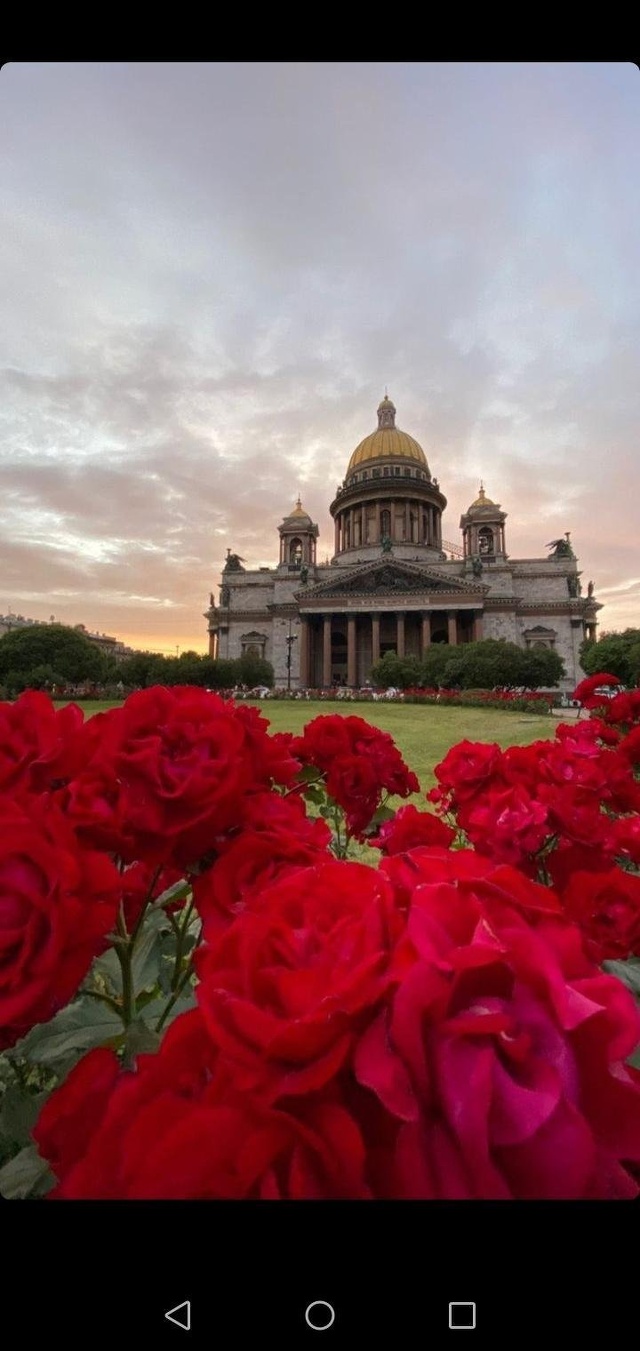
561, 548
233, 562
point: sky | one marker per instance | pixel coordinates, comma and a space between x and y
211, 271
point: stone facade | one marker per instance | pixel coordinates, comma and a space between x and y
393, 583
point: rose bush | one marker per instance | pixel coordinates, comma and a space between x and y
202, 996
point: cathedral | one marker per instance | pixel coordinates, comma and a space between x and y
394, 584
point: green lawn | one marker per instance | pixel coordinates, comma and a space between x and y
423, 733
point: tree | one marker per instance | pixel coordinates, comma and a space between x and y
142, 669
221, 673
67, 651
491, 663
616, 653
542, 667
253, 670
433, 664
396, 672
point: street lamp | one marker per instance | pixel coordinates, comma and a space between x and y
290, 639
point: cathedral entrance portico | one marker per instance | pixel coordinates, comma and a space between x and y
340, 647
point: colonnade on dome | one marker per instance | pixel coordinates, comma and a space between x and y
401, 521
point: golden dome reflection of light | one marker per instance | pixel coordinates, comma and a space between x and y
298, 510
387, 442
482, 500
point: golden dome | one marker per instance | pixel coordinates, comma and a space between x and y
388, 442
482, 500
298, 512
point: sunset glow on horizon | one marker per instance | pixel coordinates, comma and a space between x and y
212, 271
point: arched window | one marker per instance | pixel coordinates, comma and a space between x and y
385, 523
485, 540
295, 552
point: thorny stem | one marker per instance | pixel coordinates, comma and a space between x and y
182, 981
124, 951
182, 933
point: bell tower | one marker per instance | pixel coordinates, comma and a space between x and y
298, 536
482, 528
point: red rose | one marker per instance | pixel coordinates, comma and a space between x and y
75, 1110
606, 906
323, 739
466, 769
586, 689
583, 737
39, 744
630, 746
502, 1057
181, 761
623, 708
175, 1129
625, 833
575, 816
93, 804
410, 828
510, 826
57, 904
276, 837
284, 989
353, 783
432, 864
360, 763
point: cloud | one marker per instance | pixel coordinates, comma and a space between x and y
211, 271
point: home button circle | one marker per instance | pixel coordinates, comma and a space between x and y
320, 1315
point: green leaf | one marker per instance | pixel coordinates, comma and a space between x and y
26, 1175
308, 773
165, 977
635, 1059
19, 1111
174, 893
77, 1028
108, 969
140, 1038
381, 815
155, 1010
147, 952
627, 972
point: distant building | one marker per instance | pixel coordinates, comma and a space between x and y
393, 583
112, 646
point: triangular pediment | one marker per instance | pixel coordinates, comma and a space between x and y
389, 577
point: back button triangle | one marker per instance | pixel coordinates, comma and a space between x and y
181, 1315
